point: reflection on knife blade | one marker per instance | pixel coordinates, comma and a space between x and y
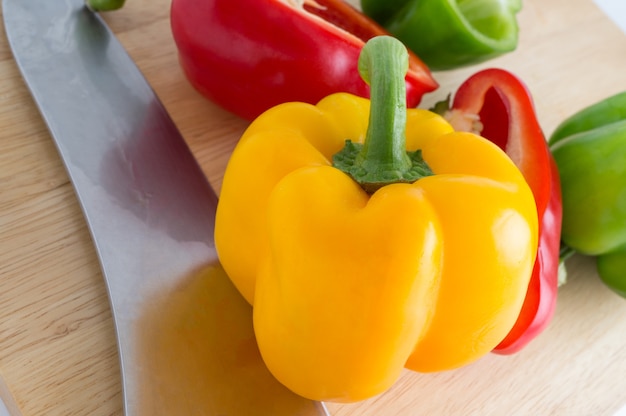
185, 336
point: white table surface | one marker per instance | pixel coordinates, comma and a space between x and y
616, 10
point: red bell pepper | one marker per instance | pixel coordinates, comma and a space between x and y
250, 55
497, 104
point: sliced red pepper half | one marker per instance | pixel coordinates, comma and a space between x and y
497, 105
250, 55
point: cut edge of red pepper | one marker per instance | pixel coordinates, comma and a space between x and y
498, 96
341, 16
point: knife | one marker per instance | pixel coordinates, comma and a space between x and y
8, 406
185, 337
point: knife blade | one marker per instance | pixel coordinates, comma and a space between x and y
185, 337
8, 406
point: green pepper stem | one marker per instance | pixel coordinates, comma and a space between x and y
104, 5
565, 252
383, 159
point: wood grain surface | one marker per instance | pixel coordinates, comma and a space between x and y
57, 344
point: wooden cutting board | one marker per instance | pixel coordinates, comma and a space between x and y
57, 345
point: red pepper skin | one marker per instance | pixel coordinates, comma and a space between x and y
250, 55
508, 118
540, 300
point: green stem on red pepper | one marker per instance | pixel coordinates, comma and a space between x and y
382, 158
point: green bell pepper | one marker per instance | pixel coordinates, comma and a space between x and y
590, 152
607, 111
448, 34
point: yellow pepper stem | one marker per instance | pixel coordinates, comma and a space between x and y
382, 159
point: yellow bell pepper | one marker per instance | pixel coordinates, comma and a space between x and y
411, 247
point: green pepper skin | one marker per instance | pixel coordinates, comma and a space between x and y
612, 270
592, 166
448, 34
590, 151
607, 111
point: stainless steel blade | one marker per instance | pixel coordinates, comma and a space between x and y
150, 210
